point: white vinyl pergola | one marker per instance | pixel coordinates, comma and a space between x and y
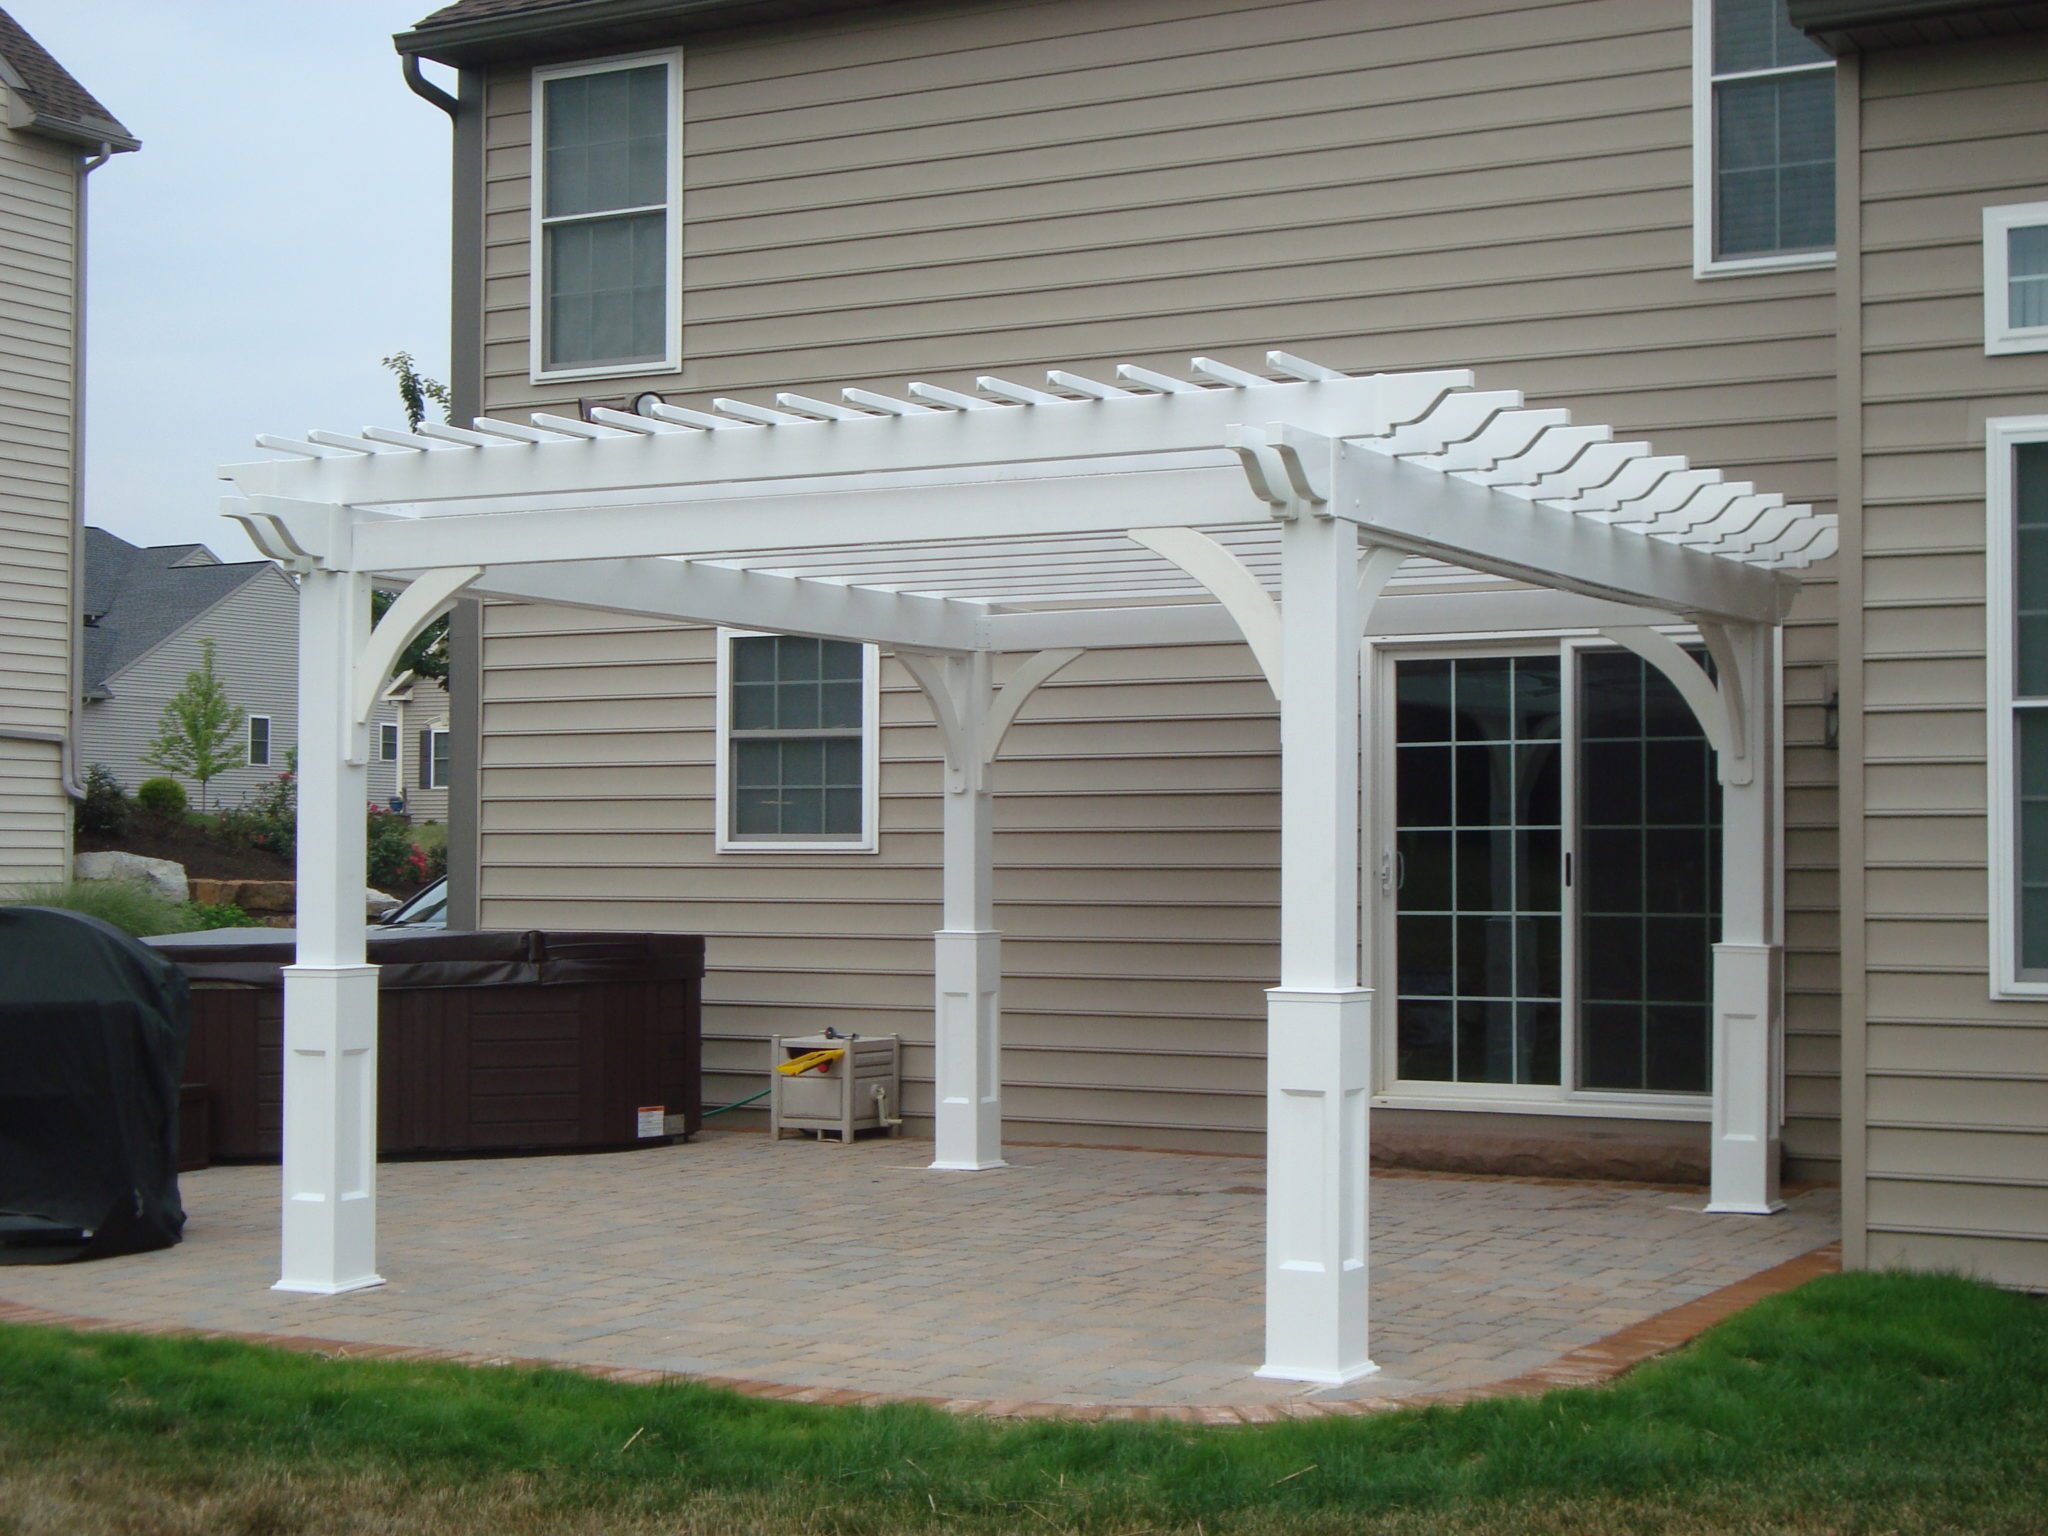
1301, 513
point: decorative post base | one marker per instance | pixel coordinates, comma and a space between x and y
1318, 1081
1747, 1033
968, 969
330, 1129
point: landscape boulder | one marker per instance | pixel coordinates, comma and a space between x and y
377, 903
255, 897
163, 876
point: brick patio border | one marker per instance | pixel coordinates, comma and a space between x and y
1589, 1364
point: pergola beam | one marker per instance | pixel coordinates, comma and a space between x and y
1049, 432
696, 593
1406, 507
709, 526
1397, 613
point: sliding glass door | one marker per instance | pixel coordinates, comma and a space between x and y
1553, 877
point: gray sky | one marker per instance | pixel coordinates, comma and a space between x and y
283, 227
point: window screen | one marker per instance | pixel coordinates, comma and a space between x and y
796, 735
1773, 111
604, 216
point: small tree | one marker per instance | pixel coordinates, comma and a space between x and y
427, 656
200, 734
415, 390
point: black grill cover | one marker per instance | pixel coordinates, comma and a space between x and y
92, 1045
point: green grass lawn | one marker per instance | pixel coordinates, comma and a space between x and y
1879, 1403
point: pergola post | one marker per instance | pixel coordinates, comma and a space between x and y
1748, 960
1318, 1020
967, 959
330, 994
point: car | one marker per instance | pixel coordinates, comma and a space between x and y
427, 907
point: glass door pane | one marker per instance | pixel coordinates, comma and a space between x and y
1479, 929
1649, 891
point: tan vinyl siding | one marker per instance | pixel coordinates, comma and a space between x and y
1501, 184
1956, 1083
38, 289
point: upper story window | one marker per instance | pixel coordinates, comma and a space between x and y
607, 218
259, 741
2016, 652
797, 744
1763, 140
2016, 278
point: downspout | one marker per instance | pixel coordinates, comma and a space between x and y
465, 111
426, 90
67, 760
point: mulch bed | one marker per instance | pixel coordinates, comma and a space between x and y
204, 856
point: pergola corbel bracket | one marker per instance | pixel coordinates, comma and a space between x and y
972, 714
1716, 702
301, 536
1226, 578
425, 600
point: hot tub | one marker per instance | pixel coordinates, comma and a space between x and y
486, 1042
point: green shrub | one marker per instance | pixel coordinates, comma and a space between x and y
129, 905
393, 858
161, 796
105, 810
268, 818
214, 914
437, 860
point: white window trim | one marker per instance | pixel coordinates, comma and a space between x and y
387, 742
869, 840
1393, 1092
2001, 436
2001, 336
435, 735
1704, 262
671, 360
249, 741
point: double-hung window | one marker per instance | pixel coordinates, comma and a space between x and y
1763, 140
797, 744
434, 766
2016, 278
2016, 647
259, 741
387, 742
607, 217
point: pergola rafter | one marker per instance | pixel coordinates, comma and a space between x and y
1299, 513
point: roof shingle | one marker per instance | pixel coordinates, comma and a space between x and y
61, 105
135, 598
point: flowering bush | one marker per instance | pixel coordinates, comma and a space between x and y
268, 818
394, 860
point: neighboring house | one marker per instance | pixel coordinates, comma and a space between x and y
53, 134
409, 747
1683, 217
145, 614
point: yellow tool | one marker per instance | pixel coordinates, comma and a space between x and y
811, 1061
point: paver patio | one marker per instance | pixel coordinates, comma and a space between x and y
1074, 1276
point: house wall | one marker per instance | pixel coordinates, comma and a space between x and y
1952, 1171
260, 675
427, 708
39, 189
941, 190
